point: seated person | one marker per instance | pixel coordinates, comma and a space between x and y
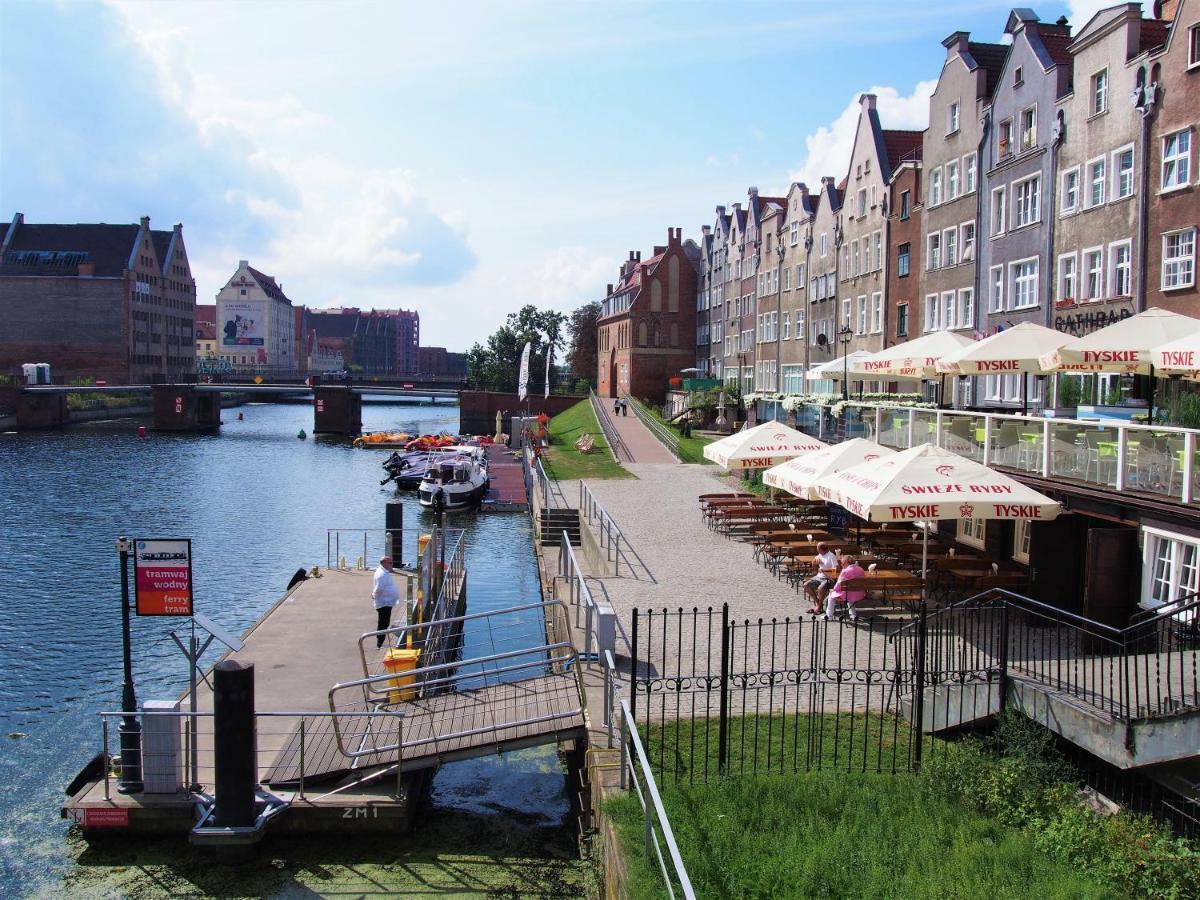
850, 571
819, 585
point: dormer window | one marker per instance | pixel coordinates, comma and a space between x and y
1018, 77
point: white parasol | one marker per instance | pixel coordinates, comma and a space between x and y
833, 369
797, 476
761, 447
1124, 346
913, 359
1013, 351
1179, 358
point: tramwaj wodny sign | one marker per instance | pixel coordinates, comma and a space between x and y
163, 577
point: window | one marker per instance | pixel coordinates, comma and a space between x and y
901, 320
950, 246
1004, 138
951, 180
967, 241
999, 198
931, 312
947, 309
1099, 92
1018, 76
795, 233
787, 279
1177, 159
1025, 202
1179, 259
1068, 278
933, 252
1095, 183
799, 325
1028, 128
800, 276
1020, 548
846, 304
1170, 567
824, 243
966, 307
1123, 173
1194, 46
972, 532
878, 240
862, 202
1093, 274
935, 187
995, 290
1120, 276
862, 316
854, 247
952, 118
905, 205
969, 173
902, 260
876, 312
1024, 283
1069, 199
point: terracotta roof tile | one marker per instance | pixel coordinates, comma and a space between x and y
901, 146
991, 58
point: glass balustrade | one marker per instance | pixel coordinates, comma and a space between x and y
963, 433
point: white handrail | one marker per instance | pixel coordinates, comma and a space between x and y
609, 531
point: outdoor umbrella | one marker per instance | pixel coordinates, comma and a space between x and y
797, 476
927, 483
832, 370
1013, 351
1179, 358
912, 359
761, 447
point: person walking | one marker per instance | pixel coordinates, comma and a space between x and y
386, 595
624, 407
616, 406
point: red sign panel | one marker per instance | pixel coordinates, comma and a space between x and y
163, 577
105, 817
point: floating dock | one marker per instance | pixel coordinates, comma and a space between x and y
506, 480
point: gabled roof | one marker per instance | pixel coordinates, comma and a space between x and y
1056, 44
900, 146
162, 246
267, 283
63, 247
1152, 35
205, 331
990, 58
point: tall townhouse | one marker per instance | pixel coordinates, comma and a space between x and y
718, 291
905, 218
704, 294
796, 243
823, 265
768, 215
950, 152
739, 304
1019, 149
876, 154
1174, 169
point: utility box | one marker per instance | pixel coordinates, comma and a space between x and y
606, 630
162, 757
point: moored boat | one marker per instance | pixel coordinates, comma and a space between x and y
455, 482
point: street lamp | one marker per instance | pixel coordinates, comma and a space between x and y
844, 337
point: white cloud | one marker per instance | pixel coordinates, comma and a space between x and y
829, 147
570, 276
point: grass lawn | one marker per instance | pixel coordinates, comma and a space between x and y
691, 449
564, 462
825, 834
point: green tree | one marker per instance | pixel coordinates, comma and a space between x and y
584, 329
495, 366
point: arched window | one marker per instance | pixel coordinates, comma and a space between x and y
641, 334
655, 296
674, 334
673, 285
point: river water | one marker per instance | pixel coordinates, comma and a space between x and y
256, 502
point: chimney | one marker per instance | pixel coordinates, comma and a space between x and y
752, 191
867, 101
608, 293
632, 257
638, 256
243, 263
956, 44
179, 228
706, 230
720, 211
145, 223
826, 181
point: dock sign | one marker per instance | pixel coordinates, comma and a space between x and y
163, 579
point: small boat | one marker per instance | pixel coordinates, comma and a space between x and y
457, 482
407, 468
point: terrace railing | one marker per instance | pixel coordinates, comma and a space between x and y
608, 532
616, 444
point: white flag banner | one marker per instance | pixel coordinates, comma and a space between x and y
523, 378
549, 350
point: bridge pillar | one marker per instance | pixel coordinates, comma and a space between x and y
38, 411
180, 407
336, 410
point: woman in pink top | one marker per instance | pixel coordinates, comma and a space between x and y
850, 571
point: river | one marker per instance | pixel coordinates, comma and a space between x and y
256, 502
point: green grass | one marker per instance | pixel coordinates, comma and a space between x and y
823, 834
691, 449
564, 462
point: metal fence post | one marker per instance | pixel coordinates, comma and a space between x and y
1004, 655
723, 721
104, 757
919, 695
301, 757
633, 669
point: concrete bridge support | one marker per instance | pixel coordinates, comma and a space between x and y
41, 411
180, 407
336, 410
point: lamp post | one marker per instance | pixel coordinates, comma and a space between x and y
844, 337
131, 729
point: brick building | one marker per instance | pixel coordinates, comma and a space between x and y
368, 339
256, 323
646, 330
115, 302
440, 363
408, 340
905, 214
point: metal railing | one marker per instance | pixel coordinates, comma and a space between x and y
665, 435
579, 596
1156, 460
608, 531
539, 485
341, 540
616, 445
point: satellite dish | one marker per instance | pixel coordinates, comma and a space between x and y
822, 340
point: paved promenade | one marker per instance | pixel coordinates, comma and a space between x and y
643, 446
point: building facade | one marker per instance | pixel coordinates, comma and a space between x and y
647, 323
256, 325
367, 340
408, 340
905, 240
795, 243
112, 302
824, 262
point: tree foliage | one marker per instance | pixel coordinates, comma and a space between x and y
495, 366
584, 332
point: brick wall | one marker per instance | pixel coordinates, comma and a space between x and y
477, 409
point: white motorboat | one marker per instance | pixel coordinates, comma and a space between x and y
455, 482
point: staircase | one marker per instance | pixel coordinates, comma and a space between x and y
554, 522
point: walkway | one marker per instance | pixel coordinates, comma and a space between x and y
643, 446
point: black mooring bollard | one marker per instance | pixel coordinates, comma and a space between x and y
394, 523
234, 744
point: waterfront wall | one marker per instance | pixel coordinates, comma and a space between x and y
477, 409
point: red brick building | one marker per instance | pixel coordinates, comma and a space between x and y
113, 302
647, 328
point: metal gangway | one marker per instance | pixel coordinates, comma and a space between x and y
484, 688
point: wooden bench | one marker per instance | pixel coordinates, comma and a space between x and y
585, 444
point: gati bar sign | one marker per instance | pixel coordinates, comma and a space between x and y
1079, 324
163, 577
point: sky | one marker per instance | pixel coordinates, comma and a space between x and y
460, 159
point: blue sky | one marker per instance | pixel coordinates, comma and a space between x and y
461, 160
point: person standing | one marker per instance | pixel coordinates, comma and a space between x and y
386, 595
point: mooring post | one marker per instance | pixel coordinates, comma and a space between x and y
236, 777
394, 524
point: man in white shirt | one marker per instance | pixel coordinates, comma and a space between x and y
817, 587
386, 595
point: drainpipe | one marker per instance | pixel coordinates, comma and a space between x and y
1057, 136
1146, 104
779, 251
981, 234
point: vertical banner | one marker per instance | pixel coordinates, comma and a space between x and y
549, 352
163, 577
523, 378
